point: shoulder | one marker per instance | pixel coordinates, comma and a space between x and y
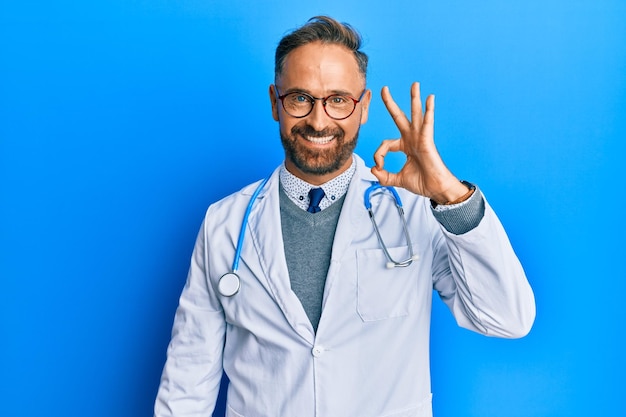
234, 200
235, 204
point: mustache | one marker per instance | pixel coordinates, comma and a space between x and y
308, 130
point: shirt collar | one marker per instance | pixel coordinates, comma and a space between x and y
298, 190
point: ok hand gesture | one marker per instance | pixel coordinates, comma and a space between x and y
424, 172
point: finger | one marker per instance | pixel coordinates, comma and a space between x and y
396, 113
429, 116
428, 125
389, 145
385, 177
416, 105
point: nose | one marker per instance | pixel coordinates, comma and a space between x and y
318, 119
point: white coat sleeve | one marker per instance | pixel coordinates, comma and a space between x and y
479, 277
193, 370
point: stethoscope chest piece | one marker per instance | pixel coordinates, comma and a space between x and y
229, 284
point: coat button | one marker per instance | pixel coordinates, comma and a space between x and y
317, 351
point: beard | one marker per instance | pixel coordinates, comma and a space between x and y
316, 161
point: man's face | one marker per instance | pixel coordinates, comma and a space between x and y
317, 147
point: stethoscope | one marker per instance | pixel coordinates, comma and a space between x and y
230, 283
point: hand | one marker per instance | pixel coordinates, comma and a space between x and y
424, 172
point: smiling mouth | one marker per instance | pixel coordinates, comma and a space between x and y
319, 140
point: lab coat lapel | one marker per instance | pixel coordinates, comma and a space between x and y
264, 226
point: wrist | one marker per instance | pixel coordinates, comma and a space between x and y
458, 193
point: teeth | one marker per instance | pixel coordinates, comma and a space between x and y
319, 141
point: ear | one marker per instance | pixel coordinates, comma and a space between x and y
274, 101
365, 105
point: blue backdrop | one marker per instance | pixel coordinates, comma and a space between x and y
121, 121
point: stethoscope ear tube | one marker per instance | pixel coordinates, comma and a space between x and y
392, 263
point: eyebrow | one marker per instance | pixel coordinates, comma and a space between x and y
304, 90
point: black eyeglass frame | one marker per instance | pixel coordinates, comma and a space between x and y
313, 99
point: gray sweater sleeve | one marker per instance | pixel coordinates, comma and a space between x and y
463, 217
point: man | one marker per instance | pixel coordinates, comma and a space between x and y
329, 315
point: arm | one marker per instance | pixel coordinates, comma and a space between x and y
479, 277
475, 269
193, 370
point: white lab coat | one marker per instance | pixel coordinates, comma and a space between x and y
370, 356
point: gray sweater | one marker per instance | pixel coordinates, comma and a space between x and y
308, 239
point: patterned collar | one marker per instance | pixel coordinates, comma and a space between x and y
298, 190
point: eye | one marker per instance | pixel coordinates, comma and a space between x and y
300, 98
297, 99
338, 100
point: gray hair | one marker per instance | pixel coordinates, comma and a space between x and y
321, 29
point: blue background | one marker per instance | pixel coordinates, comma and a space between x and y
121, 121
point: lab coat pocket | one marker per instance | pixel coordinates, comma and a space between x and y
382, 292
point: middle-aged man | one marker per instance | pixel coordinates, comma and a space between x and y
309, 307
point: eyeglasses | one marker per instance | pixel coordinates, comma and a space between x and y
337, 106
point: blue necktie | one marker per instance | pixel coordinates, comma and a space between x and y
315, 196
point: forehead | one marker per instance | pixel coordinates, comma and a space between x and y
322, 68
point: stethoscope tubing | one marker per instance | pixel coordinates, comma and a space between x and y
244, 223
